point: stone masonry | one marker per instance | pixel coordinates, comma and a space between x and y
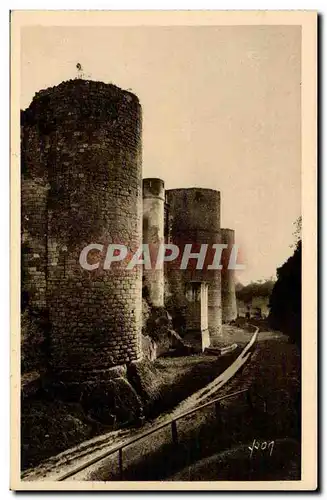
194, 217
82, 184
81, 171
228, 279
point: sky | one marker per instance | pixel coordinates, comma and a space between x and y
221, 109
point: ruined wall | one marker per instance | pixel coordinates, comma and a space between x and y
228, 294
81, 184
153, 235
194, 217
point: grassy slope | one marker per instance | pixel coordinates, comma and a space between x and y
51, 426
274, 378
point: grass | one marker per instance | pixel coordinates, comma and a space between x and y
180, 377
50, 426
212, 448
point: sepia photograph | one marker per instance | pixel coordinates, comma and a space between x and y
163, 234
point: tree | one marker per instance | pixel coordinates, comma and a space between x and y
286, 298
254, 289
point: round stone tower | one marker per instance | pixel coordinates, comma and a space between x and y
82, 152
153, 236
34, 195
194, 218
228, 294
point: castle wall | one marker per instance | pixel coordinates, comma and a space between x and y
153, 235
194, 217
81, 184
229, 305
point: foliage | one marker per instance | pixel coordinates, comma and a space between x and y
32, 342
254, 289
285, 301
297, 231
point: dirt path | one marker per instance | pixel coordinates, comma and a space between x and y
54, 468
273, 374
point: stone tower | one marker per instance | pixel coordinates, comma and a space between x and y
228, 294
194, 218
153, 236
82, 184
